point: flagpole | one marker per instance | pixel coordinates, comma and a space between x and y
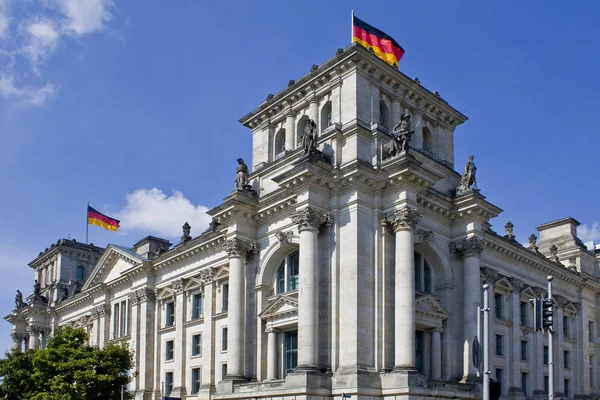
352, 28
86, 223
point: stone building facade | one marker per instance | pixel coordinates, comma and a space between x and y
340, 269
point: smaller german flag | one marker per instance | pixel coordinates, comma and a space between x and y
382, 44
96, 218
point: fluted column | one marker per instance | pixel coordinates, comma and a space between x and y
436, 353
404, 221
290, 142
103, 327
309, 221
469, 250
271, 353
237, 250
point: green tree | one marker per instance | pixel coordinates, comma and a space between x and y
68, 369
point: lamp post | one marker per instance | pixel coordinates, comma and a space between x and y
486, 343
547, 314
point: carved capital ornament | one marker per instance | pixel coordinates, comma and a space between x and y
237, 247
468, 247
404, 218
309, 218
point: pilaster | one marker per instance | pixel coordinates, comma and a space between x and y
179, 389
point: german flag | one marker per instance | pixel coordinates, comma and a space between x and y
96, 218
383, 45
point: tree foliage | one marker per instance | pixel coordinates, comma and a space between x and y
67, 369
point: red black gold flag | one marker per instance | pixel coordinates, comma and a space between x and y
382, 44
96, 218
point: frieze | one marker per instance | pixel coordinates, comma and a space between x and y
468, 247
309, 218
404, 218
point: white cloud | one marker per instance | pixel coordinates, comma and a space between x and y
42, 40
4, 18
25, 94
586, 233
86, 16
152, 211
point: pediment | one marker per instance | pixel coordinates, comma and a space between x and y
282, 305
429, 306
528, 293
222, 274
112, 265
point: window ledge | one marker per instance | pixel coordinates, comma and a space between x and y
569, 340
503, 322
222, 314
196, 356
120, 339
194, 321
169, 361
167, 329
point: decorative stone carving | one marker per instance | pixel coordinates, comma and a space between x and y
517, 284
533, 243
339, 51
186, 237
144, 295
177, 286
490, 275
64, 293
133, 299
309, 136
270, 329
284, 237
468, 179
237, 247
18, 300
83, 320
423, 236
212, 226
206, 276
509, 231
401, 136
101, 310
291, 83
241, 177
309, 218
468, 247
572, 264
437, 329
404, 218
560, 301
554, 253
34, 330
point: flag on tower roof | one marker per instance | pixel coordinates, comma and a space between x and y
383, 45
97, 218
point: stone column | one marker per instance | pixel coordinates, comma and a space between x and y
559, 363
272, 353
469, 250
417, 123
436, 353
146, 337
290, 134
309, 220
515, 385
179, 389
17, 340
103, 324
206, 277
403, 222
395, 112
237, 250
134, 341
313, 113
34, 337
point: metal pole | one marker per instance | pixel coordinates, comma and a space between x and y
479, 342
550, 350
86, 224
122, 392
352, 28
486, 343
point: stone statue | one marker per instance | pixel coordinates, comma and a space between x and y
186, 233
402, 132
19, 299
241, 176
37, 291
64, 293
309, 136
468, 178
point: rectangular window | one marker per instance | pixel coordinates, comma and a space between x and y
197, 306
196, 380
197, 345
223, 371
499, 345
500, 379
170, 314
546, 384
567, 391
169, 350
420, 350
225, 298
168, 383
566, 359
591, 331
281, 279
566, 331
524, 382
293, 273
123, 319
524, 352
291, 351
224, 339
116, 321
524, 313
546, 355
499, 305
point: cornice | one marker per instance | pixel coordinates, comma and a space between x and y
185, 252
74, 301
472, 204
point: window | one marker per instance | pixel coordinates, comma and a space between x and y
524, 313
288, 274
169, 350
427, 140
566, 330
326, 119
197, 345
120, 319
279, 143
524, 352
168, 383
80, 273
546, 384
224, 339
225, 298
500, 379
499, 305
197, 306
384, 114
546, 355
591, 331
566, 359
499, 345
196, 380
223, 370
291, 351
420, 351
567, 382
422, 274
170, 314
524, 382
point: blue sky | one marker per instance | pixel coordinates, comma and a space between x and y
134, 107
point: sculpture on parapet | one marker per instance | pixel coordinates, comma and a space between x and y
468, 178
241, 176
309, 136
37, 293
19, 300
187, 229
64, 293
401, 136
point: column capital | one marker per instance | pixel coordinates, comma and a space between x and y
468, 247
404, 218
34, 330
491, 276
270, 329
237, 247
309, 219
206, 276
560, 301
99, 311
517, 284
178, 286
133, 299
437, 329
144, 295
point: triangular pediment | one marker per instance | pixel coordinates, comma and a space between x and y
281, 305
222, 274
112, 265
429, 306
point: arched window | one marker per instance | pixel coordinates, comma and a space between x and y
279, 143
326, 119
79, 273
300, 129
423, 278
427, 140
384, 114
287, 276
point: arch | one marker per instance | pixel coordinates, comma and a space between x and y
326, 118
80, 273
279, 144
300, 129
271, 260
384, 115
441, 271
427, 140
